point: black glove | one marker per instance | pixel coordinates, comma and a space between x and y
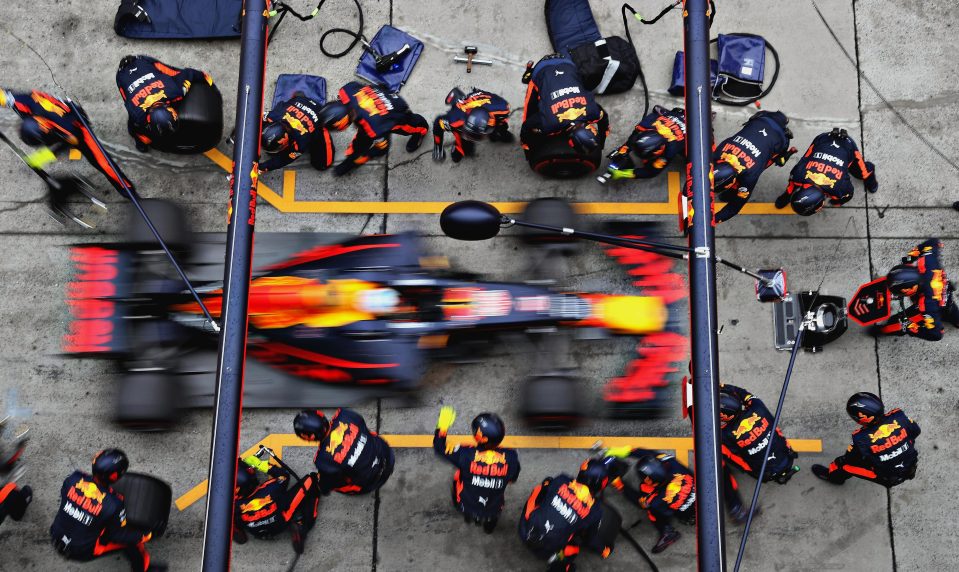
343, 168
438, 153
872, 185
456, 155
413, 143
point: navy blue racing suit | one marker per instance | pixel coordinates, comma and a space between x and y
275, 505
352, 459
932, 302
454, 119
828, 163
746, 438
883, 452
669, 127
301, 119
479, 484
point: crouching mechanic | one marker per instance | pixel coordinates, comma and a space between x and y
472, 117
350, 458
746, 432
151, 90
557, 105
883, 450
742, 158
377, 114
921, 278
269, 508
655, 141
563, 514
824, 172
482, 472
91, 521
300, 125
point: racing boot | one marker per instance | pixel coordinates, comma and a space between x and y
782, 201
668, 538
490, 525
955, 206
822, 472
783, 477
298, 537
739, 514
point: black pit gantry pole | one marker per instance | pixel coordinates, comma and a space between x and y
218, 525
710, 533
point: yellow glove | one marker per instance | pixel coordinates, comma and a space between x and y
3, 98
256, 463
445, 421
147, 537
619, 452
40, 158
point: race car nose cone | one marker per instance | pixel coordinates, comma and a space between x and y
470, 220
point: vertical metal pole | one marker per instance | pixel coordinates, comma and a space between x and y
710, 533
217, 533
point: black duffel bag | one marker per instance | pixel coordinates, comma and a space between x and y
607, 66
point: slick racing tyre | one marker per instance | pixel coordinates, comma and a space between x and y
146, 401
148, 502
169, 220
552, 212
199, 122
608, 530
555, 159
551, 401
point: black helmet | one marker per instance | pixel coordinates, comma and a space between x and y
865, 408
488, 430
275, 138
336, 116
311, 425
723, 175
649, 467
32, 133
109, 465
594, 473
807, 201
162, 120
583, 139
126, 61
729, 406
245, 480
650, 144
902, 277
477, 125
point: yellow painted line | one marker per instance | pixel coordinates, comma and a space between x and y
286, 201
75, 155
681, 445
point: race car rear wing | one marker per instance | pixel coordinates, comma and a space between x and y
98, 327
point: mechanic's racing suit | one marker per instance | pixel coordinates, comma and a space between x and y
828, 163
301, 118
14, 501
275, 506
669, 127
664, 501
556, 102
932, 302
61, 125
479, 484
883, 452
746, 438
352, 459
378, 113
91, 522
560, 516
454, 119
146, 82
763, 141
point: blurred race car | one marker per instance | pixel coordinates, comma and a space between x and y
333, 318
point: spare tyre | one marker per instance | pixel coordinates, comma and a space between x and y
169, 220
555, 159
551, 402
148, 502
199, 122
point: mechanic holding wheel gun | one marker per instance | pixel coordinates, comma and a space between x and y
557, 104
350, 458
377, 114
150, 90
91, 521
655, 140
300, 125
921, 278
267, 509
482, 472
472, 117
824, 171
742, 158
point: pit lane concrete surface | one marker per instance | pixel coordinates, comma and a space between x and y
409, 525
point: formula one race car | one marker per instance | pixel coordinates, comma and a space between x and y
333, 318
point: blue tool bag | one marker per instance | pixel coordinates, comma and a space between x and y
396, 52
290, 84
178, 19
742, 61
677, 86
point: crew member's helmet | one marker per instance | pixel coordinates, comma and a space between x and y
649, 467
275, 138
723, 175
477, 125
729, 407
488, 430
649, 145
336, 116
311, 425
31, 133
807, 201
594, 473
865, 408
245, 480
162, 120
583, 139
902, 279
109, 465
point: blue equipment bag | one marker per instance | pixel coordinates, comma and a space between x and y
678, 85
570, 23
289, 84
742, 61
178, 19
396, 54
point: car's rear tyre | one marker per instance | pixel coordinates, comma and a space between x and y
168, 218
552, 402
148, 502
552, 212
146, 401
555, 159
